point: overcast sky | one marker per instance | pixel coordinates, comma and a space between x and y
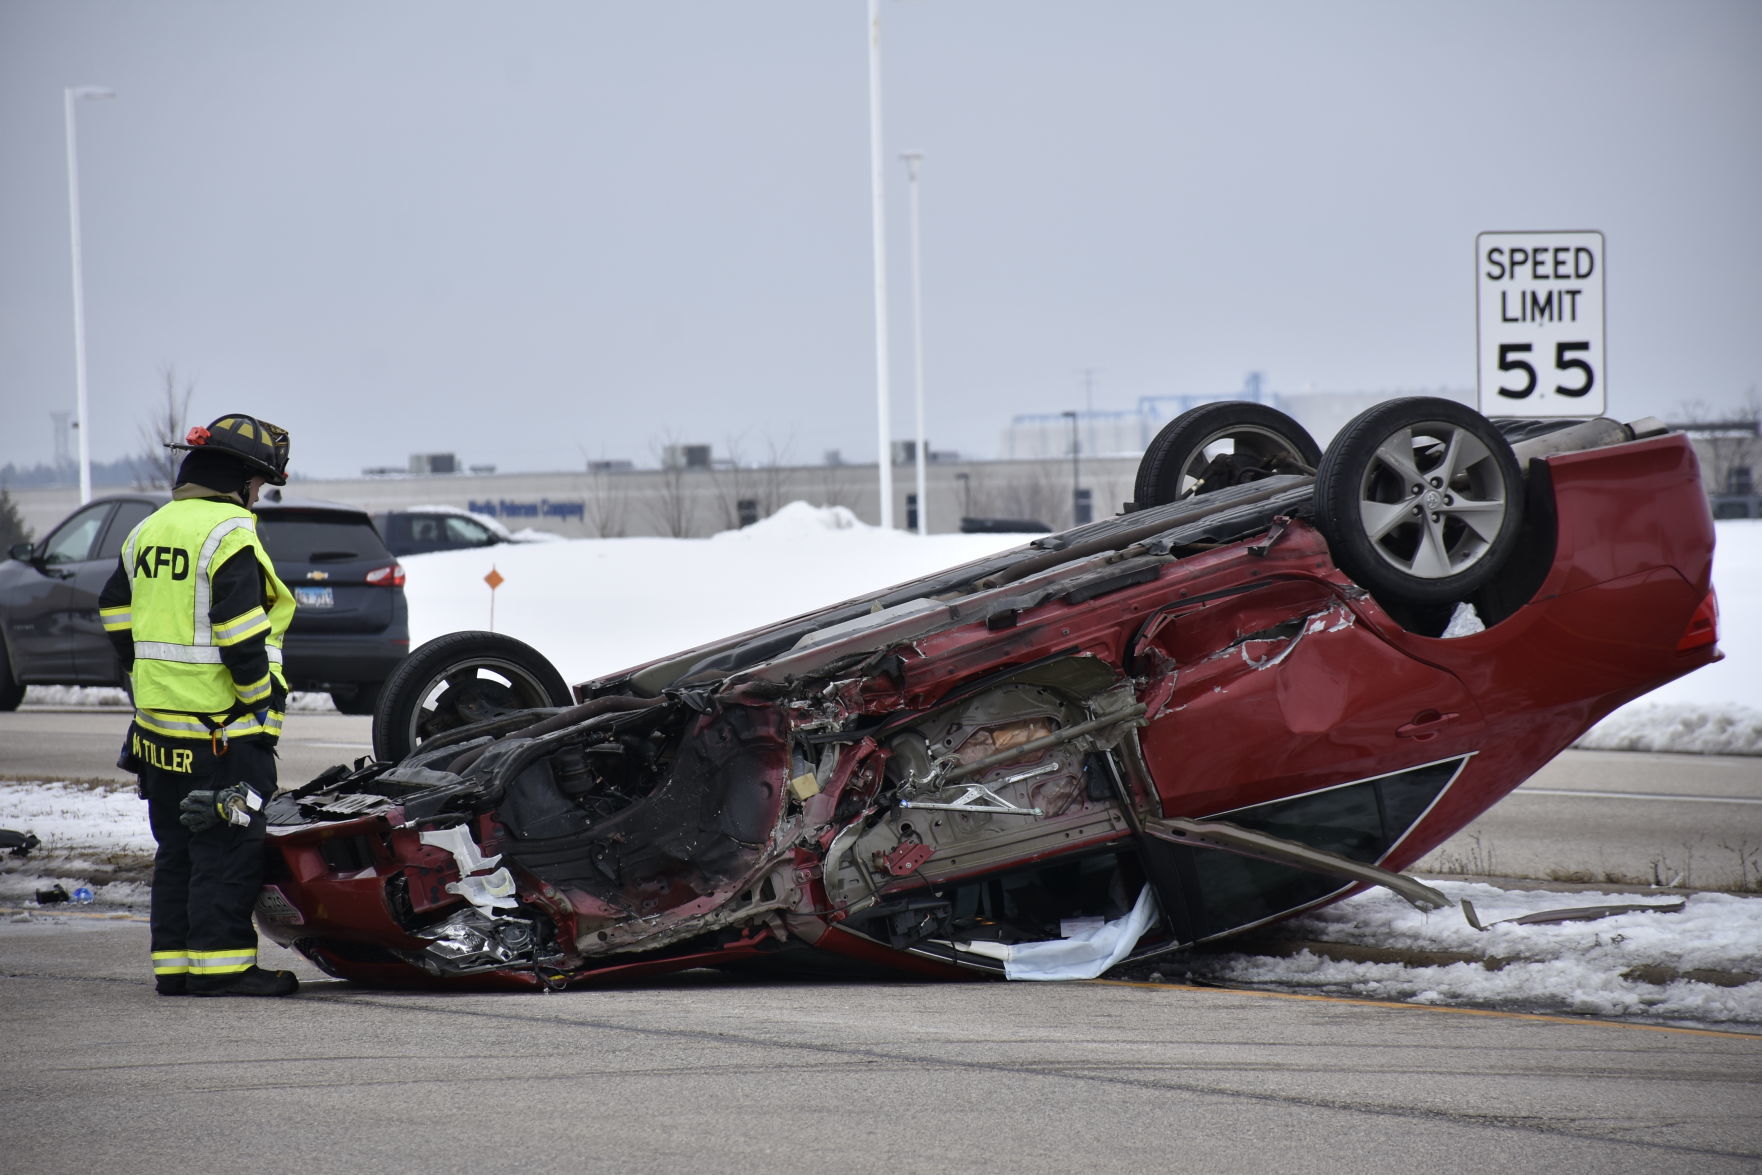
540, 231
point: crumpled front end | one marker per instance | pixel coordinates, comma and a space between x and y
746, 824
517, 860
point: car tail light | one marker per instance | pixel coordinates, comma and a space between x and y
391, 575
1703, 626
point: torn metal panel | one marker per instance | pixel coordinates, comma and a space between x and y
1218, 834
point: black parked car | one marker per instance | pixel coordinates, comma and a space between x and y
350, 629
49, 630
435, 528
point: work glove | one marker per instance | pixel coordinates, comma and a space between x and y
202, 810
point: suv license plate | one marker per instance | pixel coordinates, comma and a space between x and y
315, 597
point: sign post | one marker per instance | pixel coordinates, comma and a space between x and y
1539, 299
495, 579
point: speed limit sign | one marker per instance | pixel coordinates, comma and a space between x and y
1540, 303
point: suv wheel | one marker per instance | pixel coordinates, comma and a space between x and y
11, 692
357, 699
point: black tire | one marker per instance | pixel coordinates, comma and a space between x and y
456, 680
1217, 445
1421, 500
358, 699
11, 692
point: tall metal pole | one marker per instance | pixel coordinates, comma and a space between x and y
912, 160
72, 94
1075, 479
883, 407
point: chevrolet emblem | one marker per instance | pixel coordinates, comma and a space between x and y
318, 575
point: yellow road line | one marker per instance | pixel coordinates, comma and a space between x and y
1368, 1003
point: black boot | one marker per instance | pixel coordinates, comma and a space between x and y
252, 981
171, 985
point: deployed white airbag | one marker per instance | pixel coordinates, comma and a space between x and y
1085, 953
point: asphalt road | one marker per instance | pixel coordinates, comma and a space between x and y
1590, 816
81, 742
707, 1073
1622, 817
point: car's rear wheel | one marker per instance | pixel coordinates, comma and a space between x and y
1217, 445
1421, 500
456, 680
357, 699
11, 692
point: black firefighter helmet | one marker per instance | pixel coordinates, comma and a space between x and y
261, 446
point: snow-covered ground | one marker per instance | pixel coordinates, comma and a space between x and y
1700, 964
597, 606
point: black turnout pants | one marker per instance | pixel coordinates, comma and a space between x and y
205, 883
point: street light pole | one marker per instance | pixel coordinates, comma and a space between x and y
1075, 479
883, 405
71, 95
912, 160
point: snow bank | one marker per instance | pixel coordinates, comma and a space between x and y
1651, 965
799, 521
1722, 728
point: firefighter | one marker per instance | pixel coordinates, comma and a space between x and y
197, 616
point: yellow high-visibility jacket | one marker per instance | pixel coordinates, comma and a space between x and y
196, 604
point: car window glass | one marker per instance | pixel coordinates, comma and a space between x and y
463, 530
1361, 821
299, 537
74, 540
128, 516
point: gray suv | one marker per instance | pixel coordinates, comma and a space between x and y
351, 625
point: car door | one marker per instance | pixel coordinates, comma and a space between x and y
42, 599
94, 660
1285, 689
1282, 710
427, 532
464, 533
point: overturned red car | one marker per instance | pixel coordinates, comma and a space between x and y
1279, 676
